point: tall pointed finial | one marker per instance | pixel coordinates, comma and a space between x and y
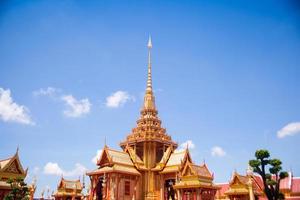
149, 42
149, 80
105, 142
149, 100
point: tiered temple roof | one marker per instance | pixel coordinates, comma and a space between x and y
11, 168
114, 161
239, 185
194, 176
175, 161
69, 188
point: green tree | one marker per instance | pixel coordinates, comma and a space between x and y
271, 172
19, 190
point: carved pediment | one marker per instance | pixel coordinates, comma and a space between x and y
104, 159
13, 168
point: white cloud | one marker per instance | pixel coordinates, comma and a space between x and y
11, 111
97, 156
187, 144
289, 130
76, 108
217, 151
49, 91
118, 99
54, 169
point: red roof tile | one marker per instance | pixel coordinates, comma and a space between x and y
296, 185
223, 188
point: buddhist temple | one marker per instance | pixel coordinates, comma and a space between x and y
148, 165
250, 187
68, 190
11, 168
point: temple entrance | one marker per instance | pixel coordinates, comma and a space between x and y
188, 195
169, 190
99, 188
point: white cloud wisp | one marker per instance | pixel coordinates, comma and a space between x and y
52, 168
118, 99
11, 111
187, 144
76, 108
49, 91
218, 151
289, 130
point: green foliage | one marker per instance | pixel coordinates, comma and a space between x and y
283, 175
254, 163
262, 154
271, 180
19, 190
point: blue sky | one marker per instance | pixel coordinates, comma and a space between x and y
225, 74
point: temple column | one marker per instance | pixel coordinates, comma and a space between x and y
198, 194
107, 195
178, 194
251, 194
118, 183
134, 189
161, 188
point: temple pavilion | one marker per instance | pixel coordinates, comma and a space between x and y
11, 168
251, 187
68, 190
148, 165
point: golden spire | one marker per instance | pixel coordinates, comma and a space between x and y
149, 102
148, 125
149, 80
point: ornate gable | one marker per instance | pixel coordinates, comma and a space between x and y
104, 158
194, 176
12, 166
238, 180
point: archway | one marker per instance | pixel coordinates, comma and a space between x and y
169, 190
99, 189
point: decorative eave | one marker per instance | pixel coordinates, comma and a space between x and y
194, 184
115, 169
237, 191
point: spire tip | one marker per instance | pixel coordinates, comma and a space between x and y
149, 42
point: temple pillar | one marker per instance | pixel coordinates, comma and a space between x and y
161, 188
107, 196
251, 193
118, 183
198, 194
179, 194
